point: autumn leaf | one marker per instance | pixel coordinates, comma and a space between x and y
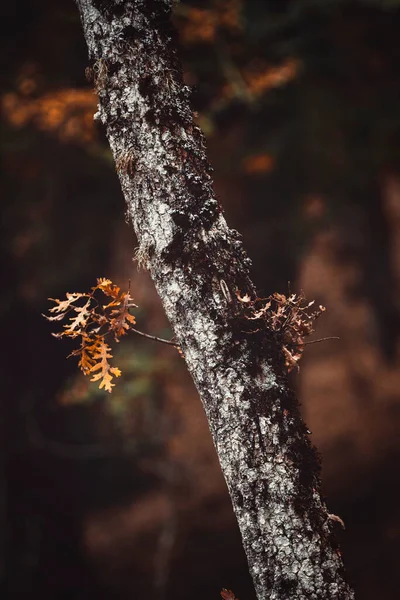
78, 323
244, 299
122, 319
291, 360
107, 286
86, 361
107, 378
64, 305
260, 313
55, 318
100, 355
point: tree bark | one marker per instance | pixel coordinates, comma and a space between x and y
198, 266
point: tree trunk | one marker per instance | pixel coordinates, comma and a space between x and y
198, 266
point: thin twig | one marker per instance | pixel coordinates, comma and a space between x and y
154, 337
318, 340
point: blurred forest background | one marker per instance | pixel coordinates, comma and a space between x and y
121, 496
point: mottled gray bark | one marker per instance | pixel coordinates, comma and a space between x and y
198, 265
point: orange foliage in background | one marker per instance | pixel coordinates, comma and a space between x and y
258, 163
260, 78
230, 14
67, 112
251, 82
201, 25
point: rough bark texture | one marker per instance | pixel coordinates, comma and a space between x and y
198, 265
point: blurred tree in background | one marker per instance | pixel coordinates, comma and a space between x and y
109, 497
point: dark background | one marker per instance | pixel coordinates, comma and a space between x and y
121, 496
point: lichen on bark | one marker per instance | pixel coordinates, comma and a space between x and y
199, 266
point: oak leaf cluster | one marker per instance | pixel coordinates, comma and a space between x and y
91, 317
290, 317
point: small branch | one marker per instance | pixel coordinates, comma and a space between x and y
318, 340
154, 337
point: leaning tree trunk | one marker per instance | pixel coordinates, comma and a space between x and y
198, 266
